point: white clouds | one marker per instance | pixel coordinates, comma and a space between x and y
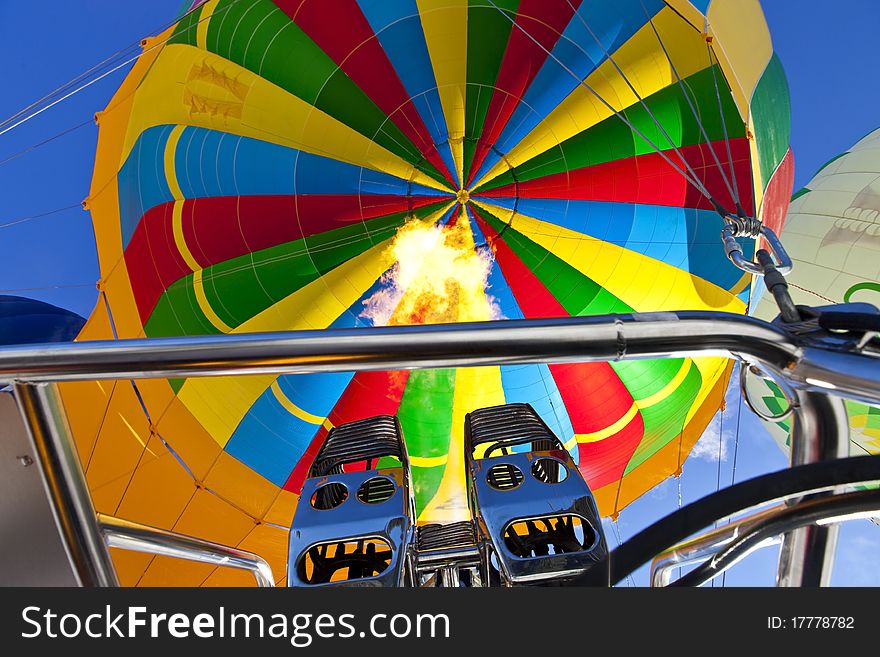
720, 434
712, 442
662, 490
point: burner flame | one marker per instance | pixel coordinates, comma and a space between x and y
438, 277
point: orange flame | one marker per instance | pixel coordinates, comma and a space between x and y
438, 277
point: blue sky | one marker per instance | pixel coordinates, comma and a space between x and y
830, 54
45, 44
828, 49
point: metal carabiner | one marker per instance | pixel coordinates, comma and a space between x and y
734, 251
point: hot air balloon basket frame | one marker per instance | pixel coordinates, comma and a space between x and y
356, 523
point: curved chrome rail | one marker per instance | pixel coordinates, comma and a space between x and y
127, 535
728, 545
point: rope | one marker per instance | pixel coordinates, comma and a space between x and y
94, 68
803, 289
679, 508
69, 94
65, 86
744, 226
46, 287
155, 432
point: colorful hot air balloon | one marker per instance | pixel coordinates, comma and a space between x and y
832, 234
29, 321
299, 164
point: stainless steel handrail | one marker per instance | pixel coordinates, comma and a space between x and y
65, 483
764, 528
128, 535
705, 545
819, 432
701, 547
572, 339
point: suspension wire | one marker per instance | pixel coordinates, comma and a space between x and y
718, 476
32, 217
75, 91
735, 451
679, 508
67, 85
734, 192
45, 141
5, 127
720, 444
697, 184
96, 67
154, 431
616, 529
739, 207
736, 435
47, 287
114, 384
641, 100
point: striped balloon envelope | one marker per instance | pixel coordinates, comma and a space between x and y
305, 164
